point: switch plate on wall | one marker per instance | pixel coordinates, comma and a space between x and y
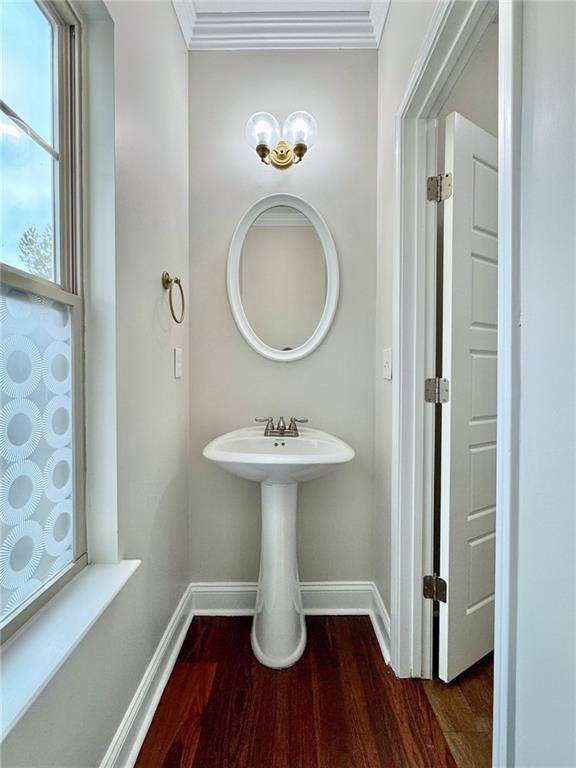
177, 362
387, 364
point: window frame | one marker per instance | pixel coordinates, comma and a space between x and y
67, 287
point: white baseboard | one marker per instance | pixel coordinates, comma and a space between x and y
129, 737
381, 623
320, 598
323, 598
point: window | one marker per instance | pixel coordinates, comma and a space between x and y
41, 441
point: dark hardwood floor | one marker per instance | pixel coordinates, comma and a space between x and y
340, 706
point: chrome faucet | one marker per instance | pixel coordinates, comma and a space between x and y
281, 430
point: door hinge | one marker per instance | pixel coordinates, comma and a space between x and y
439, 188
435, 588
436, 391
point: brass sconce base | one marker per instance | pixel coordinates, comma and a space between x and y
282, 156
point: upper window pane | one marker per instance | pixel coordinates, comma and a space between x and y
26, 79
26, 202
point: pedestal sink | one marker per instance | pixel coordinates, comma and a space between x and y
278, 464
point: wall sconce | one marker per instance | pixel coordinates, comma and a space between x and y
298, 135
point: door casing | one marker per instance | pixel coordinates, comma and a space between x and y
454, 33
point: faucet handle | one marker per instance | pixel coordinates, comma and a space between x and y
269, 421
294, 421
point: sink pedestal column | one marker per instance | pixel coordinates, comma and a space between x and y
278, 631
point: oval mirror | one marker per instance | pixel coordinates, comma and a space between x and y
283, 277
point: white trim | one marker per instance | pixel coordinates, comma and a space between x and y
381, 623
32, 657
225, 598
378, 15
186, 15
100, 281
507, 503
128, 739
332, 277
217, 27
331, 598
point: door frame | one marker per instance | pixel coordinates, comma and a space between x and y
454, 33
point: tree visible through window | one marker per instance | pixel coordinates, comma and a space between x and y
36, 251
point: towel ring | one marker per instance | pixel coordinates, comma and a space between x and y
168, 282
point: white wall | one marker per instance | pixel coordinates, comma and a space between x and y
72, 722
545, 666
230, 383
403, 35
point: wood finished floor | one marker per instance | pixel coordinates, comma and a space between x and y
340, 706
464, 712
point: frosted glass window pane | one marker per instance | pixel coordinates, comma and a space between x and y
37, 471
26, 203
27, 54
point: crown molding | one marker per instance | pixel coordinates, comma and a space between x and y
378, 16
219, 26
186, 16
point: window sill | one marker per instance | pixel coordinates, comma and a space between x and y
33, 656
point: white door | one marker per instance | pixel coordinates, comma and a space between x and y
468, 456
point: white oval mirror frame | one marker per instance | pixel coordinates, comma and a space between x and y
332, 277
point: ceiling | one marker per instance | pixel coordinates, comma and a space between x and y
212, 25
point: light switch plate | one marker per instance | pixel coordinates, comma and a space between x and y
387, 364
177, 362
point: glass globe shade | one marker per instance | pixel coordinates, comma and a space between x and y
262, 128
300, 128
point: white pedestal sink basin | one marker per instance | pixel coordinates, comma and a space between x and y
278, 464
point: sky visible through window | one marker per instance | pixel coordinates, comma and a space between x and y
26, 169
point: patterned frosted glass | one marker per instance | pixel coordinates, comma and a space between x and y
36, 493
